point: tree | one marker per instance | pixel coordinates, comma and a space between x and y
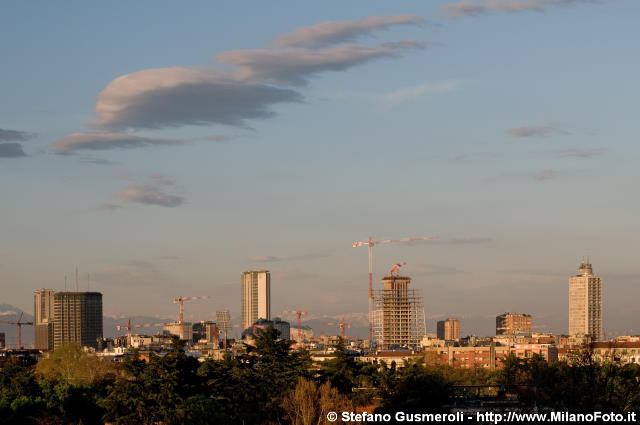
308, 404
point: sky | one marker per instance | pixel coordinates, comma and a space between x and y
164, 148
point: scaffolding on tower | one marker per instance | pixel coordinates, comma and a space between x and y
398, 313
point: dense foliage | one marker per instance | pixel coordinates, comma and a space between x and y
271, 384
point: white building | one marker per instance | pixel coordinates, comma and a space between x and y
256, 297
585, 303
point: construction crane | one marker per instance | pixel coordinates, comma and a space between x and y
18, 324
395, 268
342, 325
299, 314
371, 243
129, 326
181, 300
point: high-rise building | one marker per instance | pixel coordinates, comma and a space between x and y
43, 313
2, 340
513, 324
398, 314
77, 318
256, 297
585, 303
449, 330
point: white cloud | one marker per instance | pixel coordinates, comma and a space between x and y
332, 32
545, 175
295, 66
154, 193
412, 93
104, 141
14, 135
466, 8
172, 97
535, 131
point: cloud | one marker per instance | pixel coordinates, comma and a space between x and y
535, 131
545, 175
11, 150
308, 256
153, 193
412, 93
462, 9
296, 65
450, 241
97, 161
132, 273
217, 138
579, 152
106, 141
109, 207
332, 32
14, 135
172, 97
264, 259
247, 88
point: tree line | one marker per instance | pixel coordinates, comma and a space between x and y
272, 384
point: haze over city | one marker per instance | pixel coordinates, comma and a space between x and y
164, 149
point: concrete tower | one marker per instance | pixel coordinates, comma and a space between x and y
255, 297
43, 313
77, 318
585, 303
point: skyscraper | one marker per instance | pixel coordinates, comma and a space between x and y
585, 303
256, 297
448, 330
77, 318
43, 313
399, 320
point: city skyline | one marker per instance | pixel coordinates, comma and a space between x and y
165, 162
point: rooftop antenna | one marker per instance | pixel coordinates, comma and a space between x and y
76, 278
65, 283
88, 282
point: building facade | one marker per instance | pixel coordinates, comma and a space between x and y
184, 332
448, 330
77, 318
399, 320
43, 314
585, 303
255, 297
513, 324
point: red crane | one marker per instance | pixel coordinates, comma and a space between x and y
300, 314
181, 300
18, 324
395, 268
371, 243
342, 325
129, 326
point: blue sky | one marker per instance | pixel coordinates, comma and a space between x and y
165, 148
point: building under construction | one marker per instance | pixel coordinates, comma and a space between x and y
399, 320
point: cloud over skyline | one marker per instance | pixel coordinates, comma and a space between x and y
14, 135
11, 150
105, 141
536, 131
153, 193
545, 175
462, 9
294, 66
333, 32
178, 96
